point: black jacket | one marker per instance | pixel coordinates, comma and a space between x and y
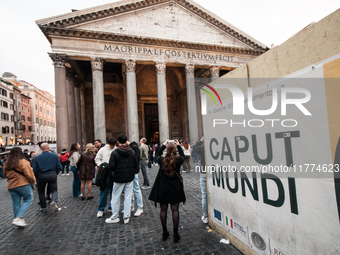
134, 146
123, 165
168, 190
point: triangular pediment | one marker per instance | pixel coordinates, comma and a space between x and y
175, 20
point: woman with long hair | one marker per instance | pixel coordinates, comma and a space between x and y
74, 157
19, 174
86, 170
168, 186
187, 153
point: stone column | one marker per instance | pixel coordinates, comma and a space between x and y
78, 113
59, 61
71, 108
214, 72
163, 118
98, 99
191, 100
83, 118
131, 101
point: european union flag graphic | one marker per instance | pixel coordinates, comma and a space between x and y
217, 215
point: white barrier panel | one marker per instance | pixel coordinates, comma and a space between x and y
271, 177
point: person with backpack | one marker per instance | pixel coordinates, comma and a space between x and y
65, 163
144, 152
104, 176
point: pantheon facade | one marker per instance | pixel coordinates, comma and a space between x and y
130, 67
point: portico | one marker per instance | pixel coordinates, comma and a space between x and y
134, 65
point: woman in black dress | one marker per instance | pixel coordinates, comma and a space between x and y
168, 186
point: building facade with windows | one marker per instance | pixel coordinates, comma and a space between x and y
26, 121
17, 115
42, 109
37, 112
7, 119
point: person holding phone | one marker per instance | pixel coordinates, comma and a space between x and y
168, 186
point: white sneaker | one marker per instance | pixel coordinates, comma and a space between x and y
100, 214
145, 187
205, 220
62, 174
67, 174
126, 221
112, 220
54, 206
19, 222
184, 171
138, 212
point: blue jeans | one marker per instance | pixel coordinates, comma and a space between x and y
24, 192
137, 193
115, 201
76, 182
203, 182
144, 167
103, 198
66, 165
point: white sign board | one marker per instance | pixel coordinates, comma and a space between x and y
270, 177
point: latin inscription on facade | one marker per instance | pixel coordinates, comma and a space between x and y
168, 53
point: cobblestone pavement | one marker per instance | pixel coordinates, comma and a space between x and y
76, 230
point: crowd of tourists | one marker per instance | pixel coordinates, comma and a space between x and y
114, 168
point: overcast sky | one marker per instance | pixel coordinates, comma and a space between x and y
23, 47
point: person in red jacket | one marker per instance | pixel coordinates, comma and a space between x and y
65, 163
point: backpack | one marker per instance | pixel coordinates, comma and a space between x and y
103, 172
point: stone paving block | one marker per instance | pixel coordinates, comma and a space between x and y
75, 229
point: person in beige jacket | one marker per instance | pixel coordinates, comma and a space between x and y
19, 174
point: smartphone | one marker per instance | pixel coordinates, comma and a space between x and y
171, 141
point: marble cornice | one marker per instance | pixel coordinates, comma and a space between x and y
119, 38
78, 19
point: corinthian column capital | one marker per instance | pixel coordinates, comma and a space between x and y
190, 70
160, 68
97, 64
59, 60
130, 66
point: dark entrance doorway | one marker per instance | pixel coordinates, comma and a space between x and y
151, 123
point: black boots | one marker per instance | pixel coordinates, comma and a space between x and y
165, 235
176, 235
